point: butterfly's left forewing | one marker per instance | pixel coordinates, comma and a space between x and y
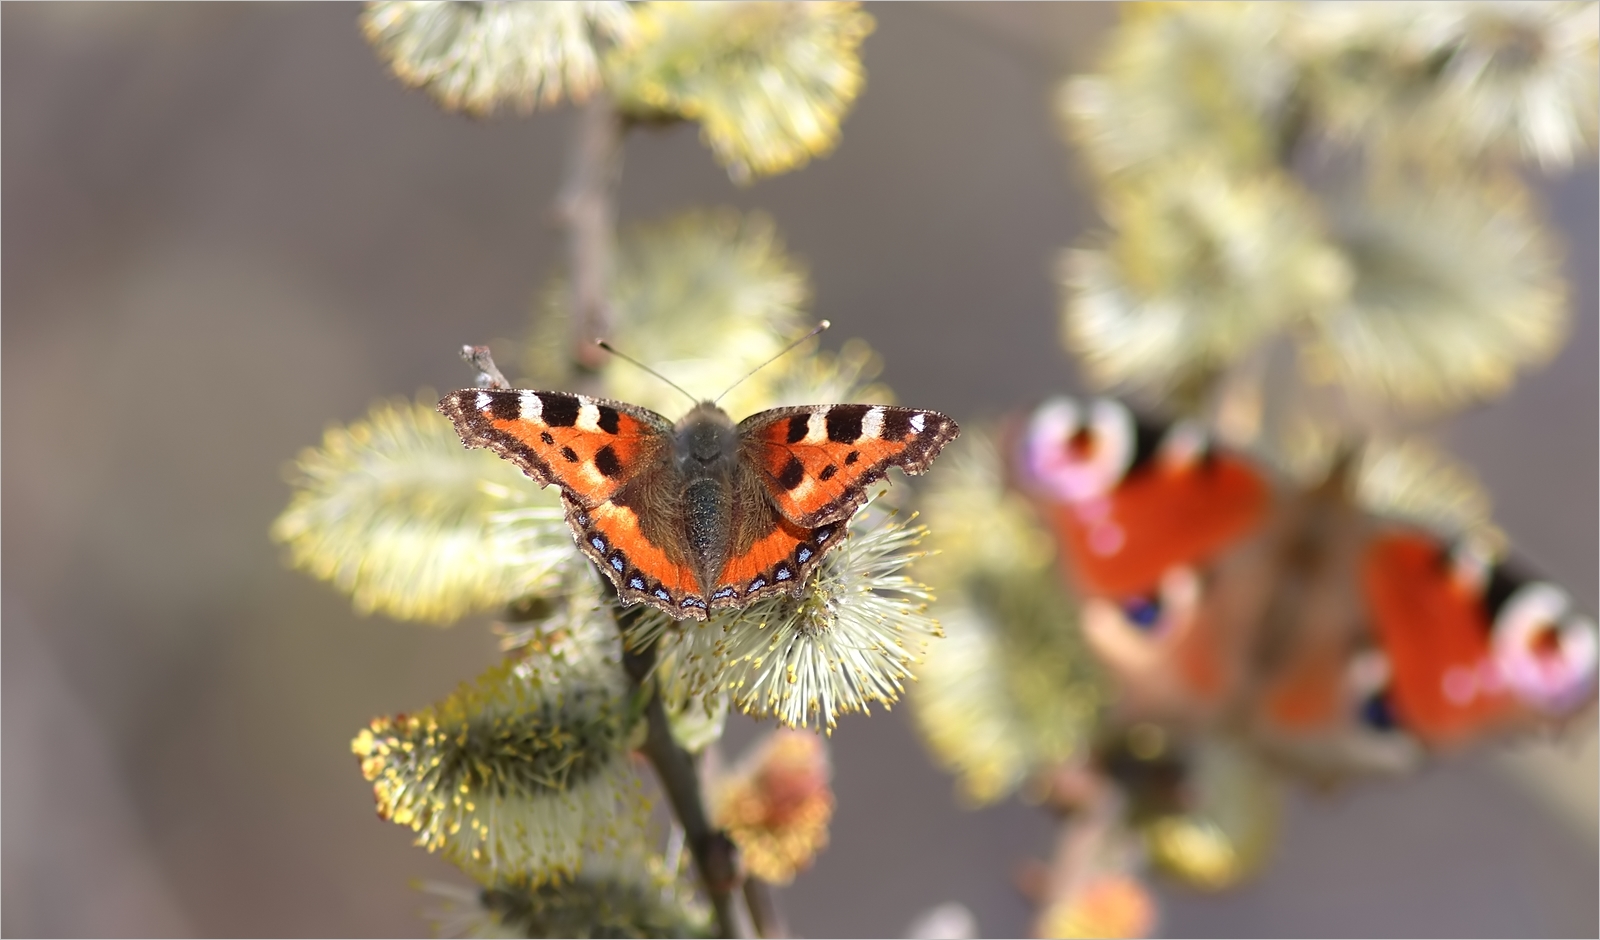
816, 462
590, 447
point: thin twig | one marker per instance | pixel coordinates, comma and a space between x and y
715, 855
1089, 805
488, 374
587, 208
764, 913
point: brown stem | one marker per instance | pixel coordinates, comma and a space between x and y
764, 912
715, 856
482, 362
1089, 804
587, 209
1293, 124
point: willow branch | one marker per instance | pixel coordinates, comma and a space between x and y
1293, 125
764, 912
715, 856
587, 209
488, 375
1089, 805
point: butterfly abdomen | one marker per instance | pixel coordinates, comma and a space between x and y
706, 504
705, 448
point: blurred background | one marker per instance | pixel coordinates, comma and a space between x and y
226, 227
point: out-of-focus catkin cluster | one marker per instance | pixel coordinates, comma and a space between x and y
519, 772
623, 895
1012, 690
1106, 905
706, 273
482, 57
767, 82
777, 804
1338, 178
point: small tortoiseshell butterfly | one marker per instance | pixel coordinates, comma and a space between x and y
1339, 639
702, 514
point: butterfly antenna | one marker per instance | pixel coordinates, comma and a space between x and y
627, 358
817, 329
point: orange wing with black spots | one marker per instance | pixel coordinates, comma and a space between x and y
1471, 644
613, 535
1156, 519
590, 447
1129, 501
660, 574
778, 560
817, 462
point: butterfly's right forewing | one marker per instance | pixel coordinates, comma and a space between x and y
816, 462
